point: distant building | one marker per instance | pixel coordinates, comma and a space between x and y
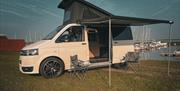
11, 44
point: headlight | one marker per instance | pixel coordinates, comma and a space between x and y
30, 52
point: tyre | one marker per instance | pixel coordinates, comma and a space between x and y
51, 67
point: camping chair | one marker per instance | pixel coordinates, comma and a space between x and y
78, 68
131, 58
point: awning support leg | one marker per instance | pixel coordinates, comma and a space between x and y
110, 50
169, 50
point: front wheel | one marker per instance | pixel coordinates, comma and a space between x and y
51, 67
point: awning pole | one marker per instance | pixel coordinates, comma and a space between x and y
169, 58
110, 50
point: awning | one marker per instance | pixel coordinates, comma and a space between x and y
122, 20
81, 11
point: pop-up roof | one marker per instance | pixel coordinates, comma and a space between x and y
81, 11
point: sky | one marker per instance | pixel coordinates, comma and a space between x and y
33, 19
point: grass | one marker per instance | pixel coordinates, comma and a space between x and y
143, 76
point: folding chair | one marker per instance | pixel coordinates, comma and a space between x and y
131, 58
78, 68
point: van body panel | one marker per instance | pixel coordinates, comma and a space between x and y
120, 49
38, 44
65, 50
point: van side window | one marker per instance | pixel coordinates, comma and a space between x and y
72, 34
122, 33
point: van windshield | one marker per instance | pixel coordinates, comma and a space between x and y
53, 33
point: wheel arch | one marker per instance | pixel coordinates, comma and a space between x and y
51, 57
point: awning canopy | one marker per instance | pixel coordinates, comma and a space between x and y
81, 11
122, 20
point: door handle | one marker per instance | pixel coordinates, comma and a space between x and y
83, 43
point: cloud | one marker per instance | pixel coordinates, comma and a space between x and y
30, 8
50, 13
37, 9
12, 12
165, 8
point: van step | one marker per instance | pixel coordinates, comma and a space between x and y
96, 65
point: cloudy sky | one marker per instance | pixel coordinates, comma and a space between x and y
24, 18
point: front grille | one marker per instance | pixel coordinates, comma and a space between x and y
27, 69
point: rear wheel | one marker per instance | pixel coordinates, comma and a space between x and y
51, 67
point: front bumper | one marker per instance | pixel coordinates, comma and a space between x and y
28, 64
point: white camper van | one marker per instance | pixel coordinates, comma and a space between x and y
96, 36
89, 43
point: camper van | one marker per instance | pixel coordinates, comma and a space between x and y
95, 36
90, 44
